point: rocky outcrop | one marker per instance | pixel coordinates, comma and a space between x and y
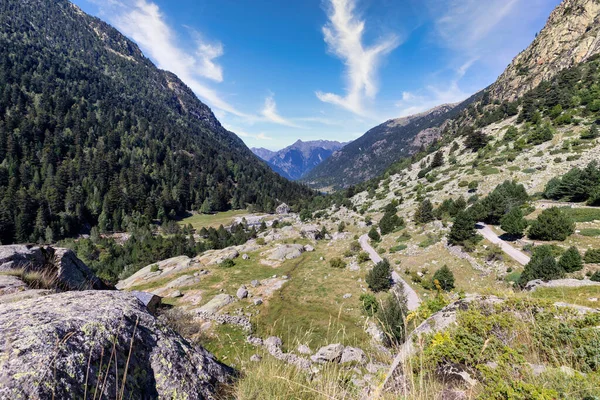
216, 304
282, 209
162, 269
60, 267
571, 36
98, 343
533, 285
286, 252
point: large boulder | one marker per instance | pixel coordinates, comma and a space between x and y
159, 270
59, 266
66, 345
216, 304
286, 252
283, 209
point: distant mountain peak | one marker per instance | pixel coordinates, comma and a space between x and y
298, 159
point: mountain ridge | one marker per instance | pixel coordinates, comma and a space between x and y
298, 159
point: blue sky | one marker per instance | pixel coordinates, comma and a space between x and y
275, 71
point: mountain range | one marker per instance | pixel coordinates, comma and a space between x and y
295, 161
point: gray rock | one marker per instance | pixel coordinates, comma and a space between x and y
258, 302
273, 342
217, 303
11, 284
304, 349
66, 339
59, 266
455, 374
330, 353
149, 300
255, 358
245, 257
347, 295
374, 368
282, 209
242, 292
255, 283
176, 294
286, 252
353, 355
254, 341
354, 266
375, 332
309, 248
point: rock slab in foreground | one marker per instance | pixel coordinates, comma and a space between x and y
46, 344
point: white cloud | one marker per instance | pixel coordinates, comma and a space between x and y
269, 112
244, 134
433, 95
464, 24
344, 37
143, 21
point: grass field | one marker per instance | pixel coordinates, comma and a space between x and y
199, 221
582, 214
580, 296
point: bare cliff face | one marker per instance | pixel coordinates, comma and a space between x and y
571, 36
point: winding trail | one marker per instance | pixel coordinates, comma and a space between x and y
412, 298
490, 235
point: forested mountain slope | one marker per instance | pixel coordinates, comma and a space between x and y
91, 132
369, 155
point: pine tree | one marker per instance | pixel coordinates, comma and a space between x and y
379, 278
424, 213
541, 266
463, 228
571, 260
374, 235
391, 316
514, 223
438, 160
552, 224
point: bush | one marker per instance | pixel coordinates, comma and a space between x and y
552, 224
444, 277
341, 227
369, 304
154, 268
542, 266
363, 256
227, 264
355, 246
595, 276
337, 263
571, 261
379, 278
374, 235
391, 317
592, 256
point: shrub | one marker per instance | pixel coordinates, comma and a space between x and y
341, 227
363, 256
379, 278
592, 256
337, 263
444, 277
391, 317
374, 235
355, 246
154, 268
552, 224
260, 241
227, 264
571, 261
369, 304
595, 276
397, 248
591, 134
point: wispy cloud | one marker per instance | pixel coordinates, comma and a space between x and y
344, 37
435, 95
466, 23
246, 135
143, 21
269, 112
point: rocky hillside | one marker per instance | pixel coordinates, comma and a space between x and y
571, 36
93, 133
297, 160
369, 155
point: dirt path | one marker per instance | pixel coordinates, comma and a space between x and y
412, 299
490, 235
